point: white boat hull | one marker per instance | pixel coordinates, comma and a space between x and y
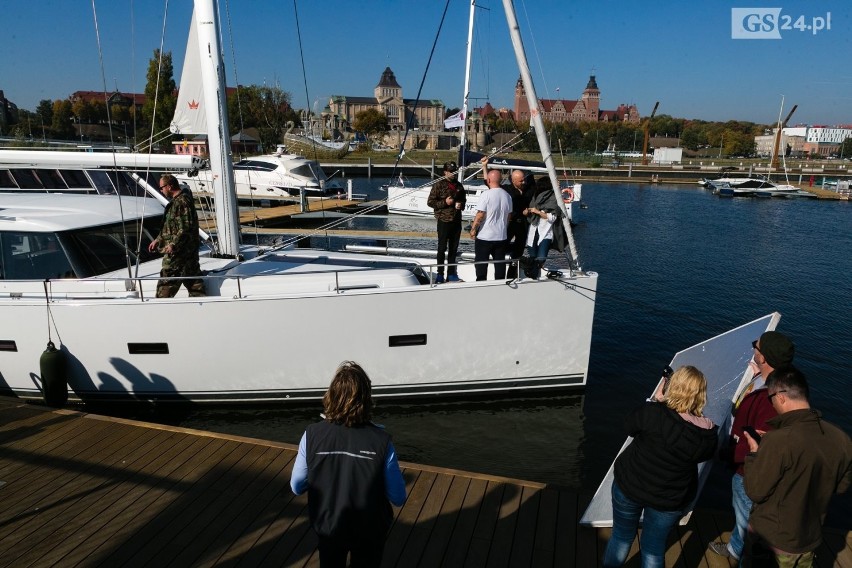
287, 346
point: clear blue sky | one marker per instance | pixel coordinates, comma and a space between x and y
677, 52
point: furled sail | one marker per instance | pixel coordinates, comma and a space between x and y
189, 112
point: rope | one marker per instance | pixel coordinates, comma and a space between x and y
419, 91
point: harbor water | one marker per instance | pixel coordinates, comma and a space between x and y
677, 265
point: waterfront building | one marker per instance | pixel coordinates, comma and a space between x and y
804, 140
388, 99
586, 109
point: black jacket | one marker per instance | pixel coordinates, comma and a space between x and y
346, 484
660, 467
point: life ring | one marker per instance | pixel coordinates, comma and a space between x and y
568, 195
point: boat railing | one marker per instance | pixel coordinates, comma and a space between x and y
143, 287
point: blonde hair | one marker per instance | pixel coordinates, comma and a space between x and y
687, 391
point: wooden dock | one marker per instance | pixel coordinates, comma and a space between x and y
79, 489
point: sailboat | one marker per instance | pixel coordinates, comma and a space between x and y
412, 201
277, 174
75, 280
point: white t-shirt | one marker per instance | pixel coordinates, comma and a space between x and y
497, 204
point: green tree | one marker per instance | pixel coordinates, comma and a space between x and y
62, 124
845, 150
371, 122
160, 87
44, 110
262, 107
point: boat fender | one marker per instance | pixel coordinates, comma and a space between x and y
54, 383
568, 195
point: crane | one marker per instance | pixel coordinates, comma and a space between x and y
645, 129
781, 126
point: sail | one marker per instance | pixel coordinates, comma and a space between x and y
189, 112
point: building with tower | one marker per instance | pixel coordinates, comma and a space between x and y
387, 98
587, 109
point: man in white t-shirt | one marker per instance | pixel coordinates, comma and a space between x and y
490, 225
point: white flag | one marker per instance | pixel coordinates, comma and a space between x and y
454, 121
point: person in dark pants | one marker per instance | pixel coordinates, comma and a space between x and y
658, 472
519, 191
178, 241
349, 468
448, 199
489, 227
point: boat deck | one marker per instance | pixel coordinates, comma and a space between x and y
85, 490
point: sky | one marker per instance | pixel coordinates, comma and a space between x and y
680, 53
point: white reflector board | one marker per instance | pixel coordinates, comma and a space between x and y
724, 361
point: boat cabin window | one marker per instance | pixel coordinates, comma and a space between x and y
27, 179
97, 250
51, 179
106, 183
29, 256
309, 170
254, 165
6, 181
76, 179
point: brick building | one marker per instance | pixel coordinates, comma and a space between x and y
587, 109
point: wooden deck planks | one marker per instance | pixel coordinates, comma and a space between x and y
87, 491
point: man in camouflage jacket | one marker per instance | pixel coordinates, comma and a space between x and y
178, 242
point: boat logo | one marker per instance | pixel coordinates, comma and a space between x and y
193, 104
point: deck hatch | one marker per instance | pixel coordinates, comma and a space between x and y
407, 340
148, 348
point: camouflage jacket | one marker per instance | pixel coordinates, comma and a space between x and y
442, 189
180, 229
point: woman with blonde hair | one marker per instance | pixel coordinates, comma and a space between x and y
658, 472
349, 468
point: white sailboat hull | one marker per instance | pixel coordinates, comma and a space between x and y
286, 346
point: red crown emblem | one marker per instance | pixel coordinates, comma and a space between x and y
193, 104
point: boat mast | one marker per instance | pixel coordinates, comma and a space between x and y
218, 137
466, 89
538, 124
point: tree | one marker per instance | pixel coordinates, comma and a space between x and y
160, 86
846, 148
371, 122
45, 111
263, 107
62, 124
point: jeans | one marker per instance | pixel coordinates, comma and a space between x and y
625, 520
538, 255
742, 509
483, 250
448, 238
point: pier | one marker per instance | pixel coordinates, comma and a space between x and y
80, 489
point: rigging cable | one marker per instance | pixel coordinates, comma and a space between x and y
124, 241
419, 91
239, 110
305, 81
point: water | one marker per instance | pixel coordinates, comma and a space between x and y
678, 265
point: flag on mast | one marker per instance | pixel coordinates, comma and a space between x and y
454, 121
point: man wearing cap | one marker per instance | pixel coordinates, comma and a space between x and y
447, 198
753, 409
793, 471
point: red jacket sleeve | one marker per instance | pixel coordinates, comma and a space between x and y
754, 411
